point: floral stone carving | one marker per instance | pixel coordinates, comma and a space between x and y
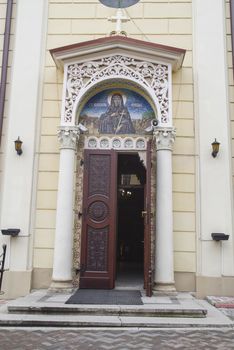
164, 138
150, 75
68, 137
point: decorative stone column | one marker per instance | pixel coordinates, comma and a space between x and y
62, 268
164, 266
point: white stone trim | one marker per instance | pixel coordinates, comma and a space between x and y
153, 78
116, 142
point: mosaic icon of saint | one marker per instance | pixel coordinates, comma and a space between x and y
116, 119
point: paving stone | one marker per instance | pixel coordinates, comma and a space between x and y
229, 313
143, 339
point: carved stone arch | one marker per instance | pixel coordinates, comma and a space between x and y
153, 78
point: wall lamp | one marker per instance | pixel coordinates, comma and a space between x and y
215, 148
18, 146
219, 236
11, 232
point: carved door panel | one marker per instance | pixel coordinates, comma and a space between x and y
99, 220
147, 226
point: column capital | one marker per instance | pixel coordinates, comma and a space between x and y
164, 138
68, 137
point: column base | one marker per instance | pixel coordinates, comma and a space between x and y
164, 289
61, 287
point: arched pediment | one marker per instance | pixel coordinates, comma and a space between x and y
147, 65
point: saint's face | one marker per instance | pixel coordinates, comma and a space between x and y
117, 100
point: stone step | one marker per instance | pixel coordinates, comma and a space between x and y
91, 321
115, 310
46, 309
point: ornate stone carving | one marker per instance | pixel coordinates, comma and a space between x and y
150, 75
128, 143
104, 143
165, 138
116, 143
68, 137
140, 144
92, 143
120, 143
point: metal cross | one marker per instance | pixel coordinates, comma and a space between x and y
119, 18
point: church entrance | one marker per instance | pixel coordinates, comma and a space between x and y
115, 242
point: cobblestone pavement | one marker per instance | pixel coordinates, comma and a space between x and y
138, 339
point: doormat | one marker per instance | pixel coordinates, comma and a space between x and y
105, 297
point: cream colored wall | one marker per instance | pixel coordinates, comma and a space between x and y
3, 5
164, 22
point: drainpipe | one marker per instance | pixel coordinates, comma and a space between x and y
5, 56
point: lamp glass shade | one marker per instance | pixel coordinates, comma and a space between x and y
215, 148
18, 144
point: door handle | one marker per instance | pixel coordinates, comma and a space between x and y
143, 213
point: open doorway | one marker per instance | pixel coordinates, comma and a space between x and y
131, 182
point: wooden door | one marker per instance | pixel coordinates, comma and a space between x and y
98, 220
147, 226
